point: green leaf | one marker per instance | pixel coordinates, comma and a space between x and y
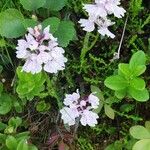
109, 111
147, 125
11, 23
55, 5
97, 92
2, 126
120, 94
11, 143
65, 33
30, 23
137, 83
124, 68
139, 95
15, 122
142, 145
138, 70
137, 59
1, 88
139, 132
23, 145
53, 22
5, 104
116, 82
29, 85
32, 4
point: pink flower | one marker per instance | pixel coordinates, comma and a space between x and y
76, 107
40, 51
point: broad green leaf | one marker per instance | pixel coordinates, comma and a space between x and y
1, 88
2, 126
30, 23
5, 104
142, 145
32, 147
137, 59
138, 70
23, 145
139, 132
11, 143
116, 82
32, 4
3, 138
53, 22
124, 68
97, 92
137, 83
109, 111
139, 95
29, 85
65, 33
22, 135
127, 107
147, 125
55, 5
11, 23
120, 94
15, 122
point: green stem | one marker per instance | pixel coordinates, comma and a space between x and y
86, 47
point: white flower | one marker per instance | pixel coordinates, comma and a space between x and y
98, 13
69, 115
72, 99
89, 118
77, 106
40, 51
93, 100
87, 25
103, 25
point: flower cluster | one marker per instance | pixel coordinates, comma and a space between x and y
98, 13
78, 107
40, 50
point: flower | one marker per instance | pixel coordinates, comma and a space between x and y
80, 107
40, 50
98, 13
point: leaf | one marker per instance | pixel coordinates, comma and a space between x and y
5, 104
30, 23
137, 59
147, 125
116, 82
23, 145
15, 122
138, 70
65, 33
2, 126
120, 94
109, 111
124, 68
1, 88
53, 22
97, 92
142, 145
11, 25
139, 132
32, 4
137, 83
139, 95
11, 143
55, 5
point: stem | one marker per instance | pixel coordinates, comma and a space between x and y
86, 47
